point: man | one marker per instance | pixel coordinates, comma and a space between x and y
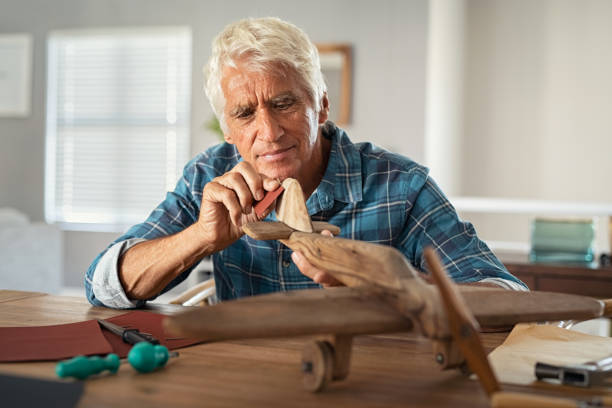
265, 85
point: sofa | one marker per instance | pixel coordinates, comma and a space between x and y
30, 254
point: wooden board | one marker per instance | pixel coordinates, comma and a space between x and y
352, 311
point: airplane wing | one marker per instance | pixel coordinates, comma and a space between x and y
294, 313
345, 310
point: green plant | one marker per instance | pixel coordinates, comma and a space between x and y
213, 125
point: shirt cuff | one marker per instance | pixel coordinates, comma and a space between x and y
106, 284
505, 283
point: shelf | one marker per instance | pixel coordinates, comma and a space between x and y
520, 206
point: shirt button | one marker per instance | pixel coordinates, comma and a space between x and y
286, 264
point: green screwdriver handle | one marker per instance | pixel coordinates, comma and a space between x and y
146, 357
82, 367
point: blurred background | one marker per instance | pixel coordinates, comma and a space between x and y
508, 102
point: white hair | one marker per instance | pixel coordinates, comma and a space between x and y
263, 44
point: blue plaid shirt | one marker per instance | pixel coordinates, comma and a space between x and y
371, 194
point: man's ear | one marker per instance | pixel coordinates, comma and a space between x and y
324, 112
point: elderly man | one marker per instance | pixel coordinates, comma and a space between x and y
265, 85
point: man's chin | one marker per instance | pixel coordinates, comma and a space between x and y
279, 172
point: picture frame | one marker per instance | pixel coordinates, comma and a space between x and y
15, 75
336, 65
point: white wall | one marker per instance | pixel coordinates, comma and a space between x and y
538, 99
525, 94
389, 43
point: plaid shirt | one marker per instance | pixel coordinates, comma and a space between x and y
371, 194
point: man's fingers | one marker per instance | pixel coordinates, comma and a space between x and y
325, 279
317, 275
235, 182
257, 183
304, 266
252, 178
271, 184
218, 193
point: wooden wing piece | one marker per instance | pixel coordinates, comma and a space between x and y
295, 313
346, 310
265, 230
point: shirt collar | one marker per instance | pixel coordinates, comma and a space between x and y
342, 178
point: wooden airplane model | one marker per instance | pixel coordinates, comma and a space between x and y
383, 294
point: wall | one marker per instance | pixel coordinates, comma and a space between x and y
389, 40
537, 96
539, 100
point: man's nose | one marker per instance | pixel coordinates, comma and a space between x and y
268, 127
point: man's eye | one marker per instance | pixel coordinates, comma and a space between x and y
244, 114
284, 105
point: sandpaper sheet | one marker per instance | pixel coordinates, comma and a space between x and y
514, 361
58, 342
52, 342
261, 207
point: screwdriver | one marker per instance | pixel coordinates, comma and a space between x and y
144, 357
82, 367
131, 336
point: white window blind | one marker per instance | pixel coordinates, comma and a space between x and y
117, 123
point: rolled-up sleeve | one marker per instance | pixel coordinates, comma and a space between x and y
105, 285
178, 211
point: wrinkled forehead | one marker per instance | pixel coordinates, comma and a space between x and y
247, 80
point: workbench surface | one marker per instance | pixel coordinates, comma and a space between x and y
390, 370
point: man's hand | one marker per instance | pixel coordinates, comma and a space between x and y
317, 275
227, 204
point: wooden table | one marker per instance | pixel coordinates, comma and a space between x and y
397, 370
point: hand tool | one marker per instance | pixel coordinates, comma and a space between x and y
82, 367
262, 206
130, 336
579, 375
144, 357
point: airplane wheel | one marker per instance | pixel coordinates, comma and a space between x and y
317, 365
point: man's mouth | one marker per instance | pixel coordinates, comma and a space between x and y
275, 154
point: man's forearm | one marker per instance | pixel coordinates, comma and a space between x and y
146, 268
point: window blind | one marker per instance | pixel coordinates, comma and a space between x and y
117, 123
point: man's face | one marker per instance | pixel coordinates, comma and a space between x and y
272, 121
